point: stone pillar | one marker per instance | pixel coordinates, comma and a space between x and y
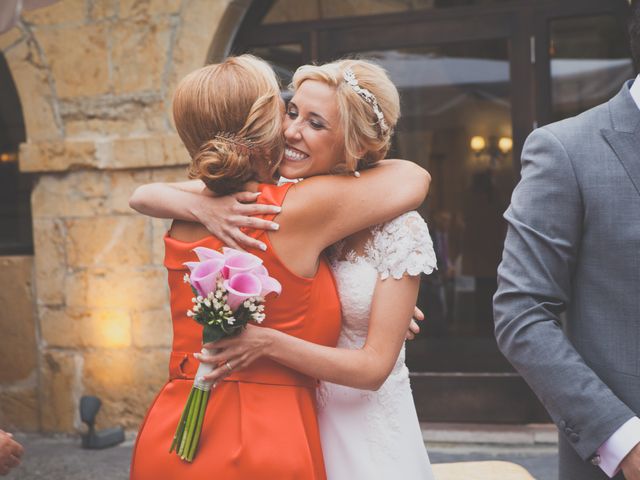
95, 78
19, 365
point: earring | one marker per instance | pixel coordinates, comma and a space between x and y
356, 173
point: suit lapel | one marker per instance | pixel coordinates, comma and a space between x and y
627, 148
624, 138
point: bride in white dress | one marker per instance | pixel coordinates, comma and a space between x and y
374, 434
367, 418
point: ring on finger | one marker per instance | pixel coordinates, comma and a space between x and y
229, 367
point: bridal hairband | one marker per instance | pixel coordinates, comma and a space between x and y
367, 96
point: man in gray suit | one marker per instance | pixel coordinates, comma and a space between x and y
573, 245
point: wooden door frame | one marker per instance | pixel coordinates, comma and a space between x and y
542, 18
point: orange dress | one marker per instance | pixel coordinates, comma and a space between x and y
260, 422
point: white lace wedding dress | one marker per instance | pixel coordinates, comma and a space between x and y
375, 435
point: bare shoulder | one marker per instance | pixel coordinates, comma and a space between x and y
187, 231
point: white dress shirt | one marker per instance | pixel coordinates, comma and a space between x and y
613, 451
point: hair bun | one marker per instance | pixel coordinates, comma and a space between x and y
222, 164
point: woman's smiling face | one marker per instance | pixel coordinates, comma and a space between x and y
312, 131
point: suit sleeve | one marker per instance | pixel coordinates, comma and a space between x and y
545, 221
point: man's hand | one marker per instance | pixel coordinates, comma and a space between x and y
10, 452
414, 328
630, 464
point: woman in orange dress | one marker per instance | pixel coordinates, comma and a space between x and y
260, 422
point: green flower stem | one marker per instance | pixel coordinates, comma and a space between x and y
177, 437
189, 427
195, 408
198, 427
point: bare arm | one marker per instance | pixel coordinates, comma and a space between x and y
179, 200
192, 201
325, 209
365, 368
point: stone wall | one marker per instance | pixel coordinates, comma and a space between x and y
19, 365
95, 79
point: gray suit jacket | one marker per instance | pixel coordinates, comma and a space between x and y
573, 245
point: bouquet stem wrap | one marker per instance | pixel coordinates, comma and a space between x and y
187, 436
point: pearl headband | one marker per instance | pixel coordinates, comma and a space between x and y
367, 96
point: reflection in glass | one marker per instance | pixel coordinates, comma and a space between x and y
456, 122
589, 63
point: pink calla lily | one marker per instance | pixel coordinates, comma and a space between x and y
269, 285
241, 287
205, 253
239, 262
205, 274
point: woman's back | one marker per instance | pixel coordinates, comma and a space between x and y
260, 412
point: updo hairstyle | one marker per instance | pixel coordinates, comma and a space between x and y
366, 142
229, 117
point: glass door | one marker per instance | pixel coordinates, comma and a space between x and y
475, 78
585, 60
458, 99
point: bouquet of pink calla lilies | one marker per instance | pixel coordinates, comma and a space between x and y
229, 290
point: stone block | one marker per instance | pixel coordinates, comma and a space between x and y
17, 320
48, 156
108, 241
175, 153
65, 11
61, 388
148, 151
127, 381
50, 261
172, 174
80, 328
139, 151
101, 9
35, 91
152, 328
122, 288
129, 117
139, 54
200, 21
122, 185
19, 409
159, 227
78, 58
148, 7
10, 37
60, 328
294, 11
74, 194
88, 184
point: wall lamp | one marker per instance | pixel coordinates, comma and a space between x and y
491, 149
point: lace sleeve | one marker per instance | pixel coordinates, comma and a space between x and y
403, 245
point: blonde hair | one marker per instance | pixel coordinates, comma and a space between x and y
366, 142
229, 117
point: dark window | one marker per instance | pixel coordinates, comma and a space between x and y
15, 187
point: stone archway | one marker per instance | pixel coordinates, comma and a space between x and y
95, 79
